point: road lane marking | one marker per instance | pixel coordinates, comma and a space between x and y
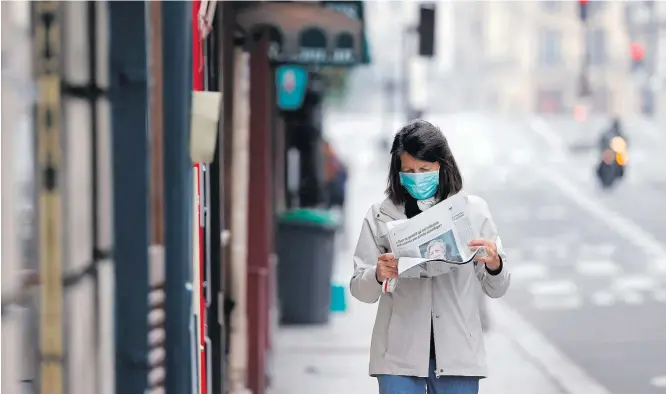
635, 283
632, 297
524, 271
603, 298
599, 250
659, 295
635, 234
550, 360
549, 303
552, 252
597, 267
657, 267
625, 227
515, 214
658, 381
554, 363
553, 139
553, 288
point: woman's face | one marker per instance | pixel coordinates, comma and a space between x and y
437, 251
411, 165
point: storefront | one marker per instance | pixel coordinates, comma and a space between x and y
253, 40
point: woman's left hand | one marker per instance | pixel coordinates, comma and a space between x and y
492, 260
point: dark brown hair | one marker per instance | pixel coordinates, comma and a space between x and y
423, 141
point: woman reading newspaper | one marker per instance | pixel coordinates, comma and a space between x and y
427, 332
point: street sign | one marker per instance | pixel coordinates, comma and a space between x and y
291, 82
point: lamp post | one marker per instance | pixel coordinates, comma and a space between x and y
584, 81
651, 63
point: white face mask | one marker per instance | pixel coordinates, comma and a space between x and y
427, 203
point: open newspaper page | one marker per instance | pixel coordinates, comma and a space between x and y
434, 241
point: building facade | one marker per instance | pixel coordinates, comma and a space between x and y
527, 57
560, 45
646, 26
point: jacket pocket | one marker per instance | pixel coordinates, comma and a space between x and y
400, 331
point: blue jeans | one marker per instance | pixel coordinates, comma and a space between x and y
396, 384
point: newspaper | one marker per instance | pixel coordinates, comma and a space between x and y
434, 241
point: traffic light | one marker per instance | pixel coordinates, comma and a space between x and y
426, 30
582, 4
637, 52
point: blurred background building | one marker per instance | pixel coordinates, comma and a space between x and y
518, 57
522, 57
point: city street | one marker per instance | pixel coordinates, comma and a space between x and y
589, 267
334, 358
585, 310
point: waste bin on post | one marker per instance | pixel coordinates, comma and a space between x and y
305, 248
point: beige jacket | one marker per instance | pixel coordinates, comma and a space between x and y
401, 335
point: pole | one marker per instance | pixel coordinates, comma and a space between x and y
156, 256
238, 328
129, 100
198, 84
221, 174
177, 32
584, 85
651, 51
49, 153
156, 128
258, 223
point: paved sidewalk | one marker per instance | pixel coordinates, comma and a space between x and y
333, 359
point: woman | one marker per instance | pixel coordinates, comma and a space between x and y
427, 332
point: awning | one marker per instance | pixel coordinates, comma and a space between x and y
321, 33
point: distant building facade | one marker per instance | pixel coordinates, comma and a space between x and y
526, 57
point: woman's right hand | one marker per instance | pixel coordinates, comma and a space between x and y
387, 267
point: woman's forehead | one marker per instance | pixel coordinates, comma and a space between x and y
408, 160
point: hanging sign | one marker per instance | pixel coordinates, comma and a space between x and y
323, 34
291, 82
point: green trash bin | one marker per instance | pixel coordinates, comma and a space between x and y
306, 249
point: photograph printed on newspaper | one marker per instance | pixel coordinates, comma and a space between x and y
434, 241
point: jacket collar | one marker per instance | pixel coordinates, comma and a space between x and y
394, 212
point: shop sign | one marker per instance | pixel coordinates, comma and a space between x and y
291, 82
309, 33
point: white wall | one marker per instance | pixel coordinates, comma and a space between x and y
16, 175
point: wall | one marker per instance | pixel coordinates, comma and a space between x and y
16, 180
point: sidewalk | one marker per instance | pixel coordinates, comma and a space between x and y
333, 359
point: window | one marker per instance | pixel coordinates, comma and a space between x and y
551, 5
596, 47
550, 48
